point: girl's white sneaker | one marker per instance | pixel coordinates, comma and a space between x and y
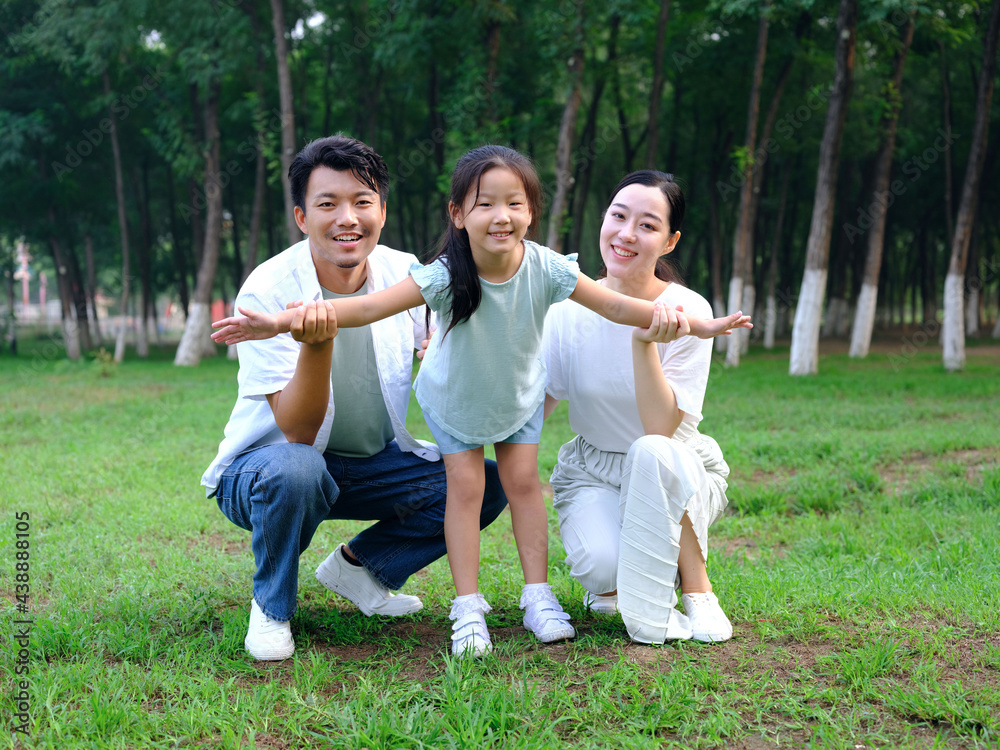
543, 615
708, 622
470, 636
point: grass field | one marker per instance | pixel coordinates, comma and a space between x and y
859, 561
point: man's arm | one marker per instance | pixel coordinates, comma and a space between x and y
300, 407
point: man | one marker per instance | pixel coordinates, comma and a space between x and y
319, 428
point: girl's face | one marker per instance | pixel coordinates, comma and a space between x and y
636, 232
497, 219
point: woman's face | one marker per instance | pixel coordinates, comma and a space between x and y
636, 232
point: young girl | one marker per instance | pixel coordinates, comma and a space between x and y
483, 380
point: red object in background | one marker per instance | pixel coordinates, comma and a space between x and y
219, 310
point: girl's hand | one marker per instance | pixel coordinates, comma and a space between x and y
707, 329
252, 327
669, 324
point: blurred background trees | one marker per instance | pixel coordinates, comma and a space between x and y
143, 146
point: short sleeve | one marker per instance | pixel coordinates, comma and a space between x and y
434, 281
564, 272
552, 352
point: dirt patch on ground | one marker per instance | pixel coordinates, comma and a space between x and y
217, 541
914, 467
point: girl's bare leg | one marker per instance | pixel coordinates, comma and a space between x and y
518, 467
466, 483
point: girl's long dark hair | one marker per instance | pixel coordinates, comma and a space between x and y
665, 270
466, 291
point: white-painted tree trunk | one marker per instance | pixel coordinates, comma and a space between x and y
972, 313
770, 321
804, 355
830, 320
996, 328
719, 310
199, 322
735, 302
953, 330
843, 327
71, 337
864, 321
142, 344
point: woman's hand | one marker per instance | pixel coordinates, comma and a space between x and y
669, 324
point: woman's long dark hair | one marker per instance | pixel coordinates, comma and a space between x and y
665, 270
466, 291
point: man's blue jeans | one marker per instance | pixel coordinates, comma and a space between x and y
281, 493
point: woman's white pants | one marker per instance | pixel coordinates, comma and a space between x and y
620, 521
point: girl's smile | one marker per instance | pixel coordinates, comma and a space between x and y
496, 217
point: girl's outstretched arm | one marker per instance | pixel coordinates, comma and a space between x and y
345, 313
631, 311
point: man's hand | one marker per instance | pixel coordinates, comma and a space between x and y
669, 324
253, 326
314, 322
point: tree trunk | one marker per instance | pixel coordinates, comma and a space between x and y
715, 228
771, 309
953, 338
567, 129
656, 95
864, 318
946, 91
744, 227
78, 290
287, 117
973, 283
71, 334
88, 254
180, 256
142, 343
804, 358
122, 222
195, 342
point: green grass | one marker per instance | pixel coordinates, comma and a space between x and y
859, 561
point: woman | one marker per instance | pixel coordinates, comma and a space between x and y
639, 486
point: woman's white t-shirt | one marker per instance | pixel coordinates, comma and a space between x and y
589, 362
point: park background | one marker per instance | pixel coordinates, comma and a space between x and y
144, 153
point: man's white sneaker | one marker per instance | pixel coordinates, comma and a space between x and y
267, 639
708, 622
469, 634
356, 584
543, 615
602, 605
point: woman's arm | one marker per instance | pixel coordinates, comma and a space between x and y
354, 312
658, 410
550, 406
631, 311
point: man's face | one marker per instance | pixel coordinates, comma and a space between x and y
343, 218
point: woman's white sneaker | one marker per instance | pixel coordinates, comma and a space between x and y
708, 622
602, 605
